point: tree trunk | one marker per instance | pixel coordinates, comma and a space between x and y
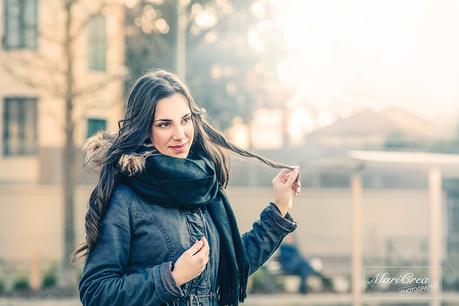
69, 169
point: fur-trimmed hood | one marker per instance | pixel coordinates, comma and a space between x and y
97, 146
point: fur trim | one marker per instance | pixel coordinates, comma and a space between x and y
96, 148
133, 163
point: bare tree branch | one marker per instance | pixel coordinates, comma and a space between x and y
97, 86
48, 64
27, 80
35, 62
81, 115
84, 23
49, 38
33, 83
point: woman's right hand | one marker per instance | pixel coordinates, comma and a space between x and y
192, 262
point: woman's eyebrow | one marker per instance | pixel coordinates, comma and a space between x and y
168, 120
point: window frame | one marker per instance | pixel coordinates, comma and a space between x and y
25, 149
97, 43
24, 41
100, 120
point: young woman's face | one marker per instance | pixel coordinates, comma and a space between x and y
172, 130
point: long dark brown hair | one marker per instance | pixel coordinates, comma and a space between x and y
135, 129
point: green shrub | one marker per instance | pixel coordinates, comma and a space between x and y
263, 282
21, 282
50, 277
49, 280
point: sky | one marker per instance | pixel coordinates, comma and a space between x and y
374, 53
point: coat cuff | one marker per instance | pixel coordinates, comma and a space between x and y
165, 283
284, 224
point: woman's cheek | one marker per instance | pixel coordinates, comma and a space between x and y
160, 138
191, 131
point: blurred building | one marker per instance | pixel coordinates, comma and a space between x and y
32, 118
300, 123
396, 206
33, 81
370, 128
396, 200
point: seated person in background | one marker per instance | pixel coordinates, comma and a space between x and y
292, 262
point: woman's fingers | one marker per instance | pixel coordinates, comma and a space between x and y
289, 178
292, 180
204, 251
281, 174
202, 257
196, 247
206, 244
297, 188
292, 177
285, 173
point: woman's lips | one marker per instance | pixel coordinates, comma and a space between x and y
179, 148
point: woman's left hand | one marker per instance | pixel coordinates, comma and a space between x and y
285, 185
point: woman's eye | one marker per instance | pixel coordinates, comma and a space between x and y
166, 124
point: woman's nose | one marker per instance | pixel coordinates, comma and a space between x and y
179, 133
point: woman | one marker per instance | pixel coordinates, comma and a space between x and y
159, 227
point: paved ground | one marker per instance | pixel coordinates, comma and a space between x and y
449, 299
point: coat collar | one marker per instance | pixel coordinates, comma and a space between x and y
96, 148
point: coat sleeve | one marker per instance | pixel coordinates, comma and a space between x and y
266, 235
104, 281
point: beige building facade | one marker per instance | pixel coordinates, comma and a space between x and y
33, 82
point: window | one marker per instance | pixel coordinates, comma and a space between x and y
95, 125
19, 126
20, 24
97, 43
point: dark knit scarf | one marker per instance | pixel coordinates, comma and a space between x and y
189, 184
